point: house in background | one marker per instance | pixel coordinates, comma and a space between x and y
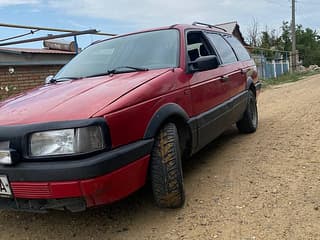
22, 69
234, 29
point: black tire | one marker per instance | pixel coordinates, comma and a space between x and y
166, 170
249, 122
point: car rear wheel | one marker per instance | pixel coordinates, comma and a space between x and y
249, 122
166, 169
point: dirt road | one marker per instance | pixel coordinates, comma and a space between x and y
260, 186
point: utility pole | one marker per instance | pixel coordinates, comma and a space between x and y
293, 34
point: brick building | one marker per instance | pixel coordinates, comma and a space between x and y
22, 69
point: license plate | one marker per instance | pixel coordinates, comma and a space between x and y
5, 190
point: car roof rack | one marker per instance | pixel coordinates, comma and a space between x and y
208, 25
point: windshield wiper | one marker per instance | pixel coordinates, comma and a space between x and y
54, 80
112, 71
116, 69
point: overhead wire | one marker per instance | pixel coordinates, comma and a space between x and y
20, 35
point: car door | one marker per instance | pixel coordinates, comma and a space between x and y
239, 84
208, 90
232, 68
234, 77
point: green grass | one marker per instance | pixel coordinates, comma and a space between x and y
287, 78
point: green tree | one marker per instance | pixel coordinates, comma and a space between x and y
308, 45
269, 40
265, 41
285, 38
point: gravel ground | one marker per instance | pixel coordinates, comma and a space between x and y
260, 186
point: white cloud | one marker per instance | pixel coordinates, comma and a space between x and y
150, 13
4, 3
139, 14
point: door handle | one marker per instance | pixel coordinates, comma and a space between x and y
224, 78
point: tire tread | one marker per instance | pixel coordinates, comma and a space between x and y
166, 173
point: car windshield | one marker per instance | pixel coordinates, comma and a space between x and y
148, 50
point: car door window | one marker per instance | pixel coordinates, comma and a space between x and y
197, 46
223, 48
241, 52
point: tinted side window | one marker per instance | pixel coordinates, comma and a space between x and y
241, 52
223, 48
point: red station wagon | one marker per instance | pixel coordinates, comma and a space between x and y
125, 110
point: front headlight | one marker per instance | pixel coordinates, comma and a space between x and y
66, 141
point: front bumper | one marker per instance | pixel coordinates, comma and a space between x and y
99, 179
69, 170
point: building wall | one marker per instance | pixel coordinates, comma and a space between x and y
23, 78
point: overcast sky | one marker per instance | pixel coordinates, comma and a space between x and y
121, 16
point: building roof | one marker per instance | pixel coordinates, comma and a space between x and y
30, 56
229, 26
234, 29
33, 50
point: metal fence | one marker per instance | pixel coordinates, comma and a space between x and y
271, 63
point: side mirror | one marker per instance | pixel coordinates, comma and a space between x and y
204, 63
48, 79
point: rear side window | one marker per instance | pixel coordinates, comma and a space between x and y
223, 48
241, 52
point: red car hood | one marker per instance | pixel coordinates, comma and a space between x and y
71, 100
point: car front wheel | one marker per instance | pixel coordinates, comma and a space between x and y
166, 169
